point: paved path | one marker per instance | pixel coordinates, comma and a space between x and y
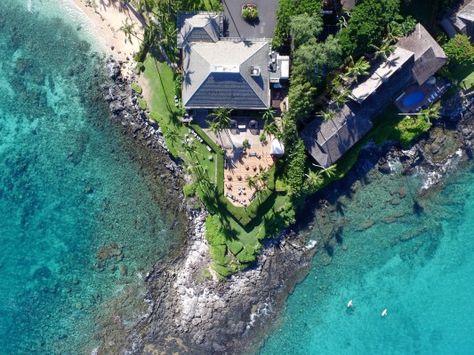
239, 28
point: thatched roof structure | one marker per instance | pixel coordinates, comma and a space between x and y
429, 56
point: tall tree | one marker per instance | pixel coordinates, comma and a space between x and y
368, 25
304, 28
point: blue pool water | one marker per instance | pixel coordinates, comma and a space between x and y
418, 266
413, 99
79, 219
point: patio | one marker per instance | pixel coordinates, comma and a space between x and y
416, 97
239, 167
241, 163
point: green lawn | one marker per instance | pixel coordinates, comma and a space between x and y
463, 76
244, 227
164, 111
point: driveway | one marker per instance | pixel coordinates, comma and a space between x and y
237, 27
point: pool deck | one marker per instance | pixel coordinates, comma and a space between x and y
432, 93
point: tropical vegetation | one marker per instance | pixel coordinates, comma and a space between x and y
326, 61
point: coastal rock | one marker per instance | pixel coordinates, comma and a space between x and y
190, 311
113, 69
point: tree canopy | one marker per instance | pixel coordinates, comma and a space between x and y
367, 25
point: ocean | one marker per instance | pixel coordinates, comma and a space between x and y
410, 254
81, 223
80, 218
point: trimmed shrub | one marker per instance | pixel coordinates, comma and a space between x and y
459, 50
137, 88
142, 104
214, 231
234, 246
246, 255
410, 128
218, 254
189, 190
222, 270
249, 12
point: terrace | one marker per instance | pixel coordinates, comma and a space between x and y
416, 97
241, 163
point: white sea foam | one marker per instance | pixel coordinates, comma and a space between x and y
311, 244
431, 178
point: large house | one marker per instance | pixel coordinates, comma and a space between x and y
416, 58
221, 71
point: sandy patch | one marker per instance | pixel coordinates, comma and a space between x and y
106, 18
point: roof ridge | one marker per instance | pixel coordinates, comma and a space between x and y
244, 62
205, 76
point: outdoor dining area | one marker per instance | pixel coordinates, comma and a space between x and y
241, 173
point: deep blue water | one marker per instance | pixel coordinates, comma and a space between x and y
417, 264
413, 98
79, 219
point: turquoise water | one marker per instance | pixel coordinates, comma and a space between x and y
79, 218
417, 264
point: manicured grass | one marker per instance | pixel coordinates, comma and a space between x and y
242, 227
164, 111
463, 76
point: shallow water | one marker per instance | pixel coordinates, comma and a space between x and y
416, 263
79, 219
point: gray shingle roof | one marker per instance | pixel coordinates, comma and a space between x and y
327, 141
429, 56
198, 27
219, 74
467, 12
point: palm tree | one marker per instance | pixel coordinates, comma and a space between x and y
269, 114
222, 116
128, 29
342, 96
189, 146
329, 171
314, 178
327, 115
430, 113
171, 135
252, 182
385, 49
271, 129
358, 69
214, 127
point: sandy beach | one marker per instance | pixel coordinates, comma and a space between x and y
106, 18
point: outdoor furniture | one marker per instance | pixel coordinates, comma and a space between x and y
242, 127
252, 154
253, 126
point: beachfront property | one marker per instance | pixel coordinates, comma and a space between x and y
405, 77
223, 71
233, 67
460, 21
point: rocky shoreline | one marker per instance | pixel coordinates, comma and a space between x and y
191, 311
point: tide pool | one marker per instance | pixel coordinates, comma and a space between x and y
80, 219
416, 263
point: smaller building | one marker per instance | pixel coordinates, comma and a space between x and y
461, 21
415, 59
199, 27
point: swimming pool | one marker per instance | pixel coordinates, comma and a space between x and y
414, 98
